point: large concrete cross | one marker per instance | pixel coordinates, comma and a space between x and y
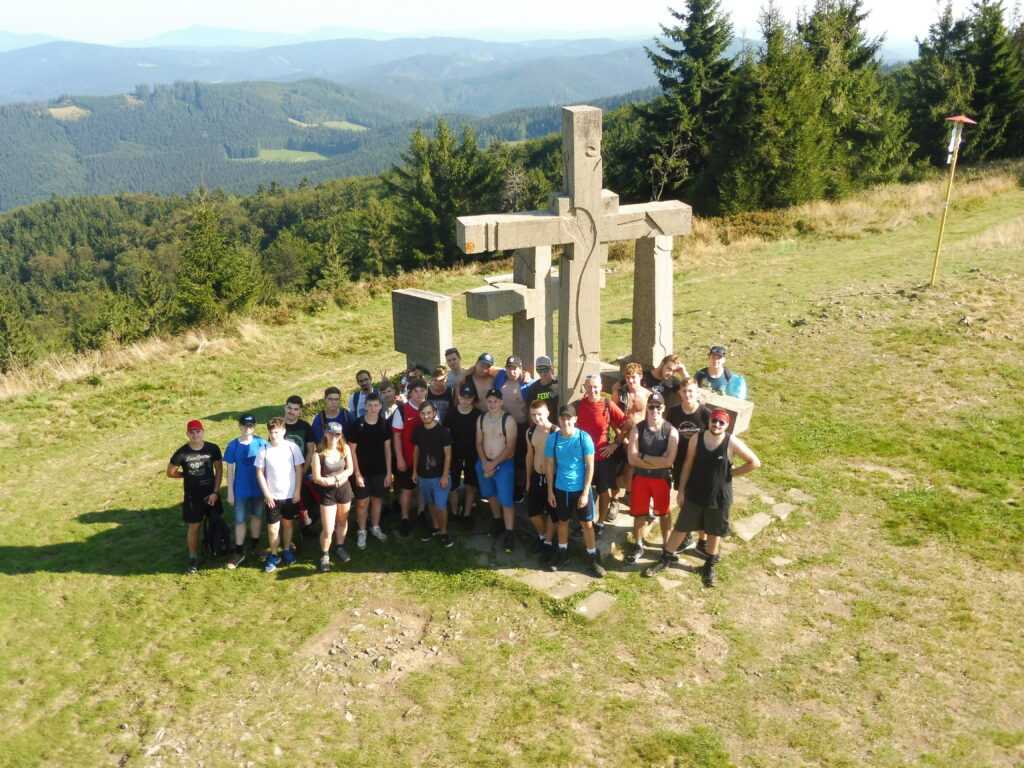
584, 220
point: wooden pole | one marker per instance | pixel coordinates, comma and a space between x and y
957, 128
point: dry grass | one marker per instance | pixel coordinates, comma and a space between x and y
68, 113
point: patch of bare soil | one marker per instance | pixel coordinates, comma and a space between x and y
869, 466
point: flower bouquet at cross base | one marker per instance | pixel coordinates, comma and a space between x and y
403, 379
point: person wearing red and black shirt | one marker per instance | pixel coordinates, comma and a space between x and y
597, 415
403, 424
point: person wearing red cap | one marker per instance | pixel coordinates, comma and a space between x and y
198, 463
705, 491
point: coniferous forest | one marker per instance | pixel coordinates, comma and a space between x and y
808, 113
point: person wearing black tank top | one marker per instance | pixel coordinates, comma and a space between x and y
705, 491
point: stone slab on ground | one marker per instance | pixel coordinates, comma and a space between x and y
783, 509
596, 604
668, 584
743, 488
780, 562
800, 496
748, 527
567, 588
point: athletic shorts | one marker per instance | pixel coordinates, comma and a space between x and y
404, 480
195, 508
537, 500
604, 474
644, 490
694, 517
284, 509
332, 495
246, 509
373, 486
566, 504
464, 470
502, 484
432, 493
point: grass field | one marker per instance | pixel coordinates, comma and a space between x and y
343, 125
891, 638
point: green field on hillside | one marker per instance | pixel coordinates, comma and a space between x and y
878, 625
343, 125
285, 156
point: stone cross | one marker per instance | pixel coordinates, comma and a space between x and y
422, 322
584, 221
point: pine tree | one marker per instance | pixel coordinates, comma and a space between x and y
17, 347
998, 98
868, 132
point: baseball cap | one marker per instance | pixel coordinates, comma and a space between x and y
567, 410
513, 362
718, 349
721, 415
194, 424
495, 392
247, 420
543, 360
334, 428
486, 357
467, 391
655, 399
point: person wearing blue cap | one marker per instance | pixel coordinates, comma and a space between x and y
244, 493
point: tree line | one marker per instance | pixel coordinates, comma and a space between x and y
809, 113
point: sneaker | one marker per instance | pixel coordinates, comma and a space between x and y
193, 565
404, 528
613, 511
497, 527
707, 573
235, 561
663, 562
272, 561
378, 534
636, 554
702, 547
509, 541
687, 542
536, 546
446, 541
427, 535
547, 551
520, 495
288, 556
560, 558
594, 566
342, 554
361, 539
598, 529
325, 563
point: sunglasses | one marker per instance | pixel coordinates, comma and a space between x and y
719, 421
543, 368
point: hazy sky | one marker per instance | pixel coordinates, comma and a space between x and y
113, 21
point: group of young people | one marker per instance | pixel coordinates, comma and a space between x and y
500, 434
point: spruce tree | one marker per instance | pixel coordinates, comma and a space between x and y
17, 346
998, 97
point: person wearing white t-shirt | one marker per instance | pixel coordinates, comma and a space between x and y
279, 467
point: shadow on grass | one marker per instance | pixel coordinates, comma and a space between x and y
261, 412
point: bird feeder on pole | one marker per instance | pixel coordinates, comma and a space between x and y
954, 149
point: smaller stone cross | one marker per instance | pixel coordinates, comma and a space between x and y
422, 322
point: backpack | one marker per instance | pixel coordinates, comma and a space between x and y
504, 417
216, 536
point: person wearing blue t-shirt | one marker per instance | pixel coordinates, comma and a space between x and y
570, 474
244, 492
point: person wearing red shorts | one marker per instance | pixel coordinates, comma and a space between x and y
652, 451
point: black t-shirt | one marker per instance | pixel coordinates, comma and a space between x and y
431, 443
688, 423
371, 441
197, 465
668, 388
300, 433
546, 392
441, 402
463, 430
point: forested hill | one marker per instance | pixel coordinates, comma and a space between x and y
234, 136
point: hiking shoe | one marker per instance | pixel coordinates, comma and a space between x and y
325, 563
497, 527
272, 562
561, 557
446, 541
378, 534
702, 547
235, 561
509, 541
342, 554
547, 551
636, 554
707, 573
594, 567
663, 562
193, 565
613, 511
598, 529
687, 542
288, 556
361, 539
404, 528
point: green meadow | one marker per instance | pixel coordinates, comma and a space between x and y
879, 625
